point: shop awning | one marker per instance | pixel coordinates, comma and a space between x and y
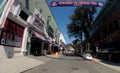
40, 36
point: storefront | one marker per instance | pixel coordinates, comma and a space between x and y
106, 37
11, 39
55, 47
12, 34
39, 45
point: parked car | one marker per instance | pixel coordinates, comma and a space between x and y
87, 56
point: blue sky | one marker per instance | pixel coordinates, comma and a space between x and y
1, 1
61, 15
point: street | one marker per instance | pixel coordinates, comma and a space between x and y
69, 64
59, 36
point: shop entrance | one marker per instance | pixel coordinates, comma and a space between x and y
36, 45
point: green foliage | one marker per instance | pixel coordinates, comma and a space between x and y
81, 22
75, 42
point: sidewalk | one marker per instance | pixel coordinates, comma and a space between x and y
18, 64
115, 66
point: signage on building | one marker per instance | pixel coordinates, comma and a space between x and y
76, 3
5, 6
38, 19
40, 36
12, 34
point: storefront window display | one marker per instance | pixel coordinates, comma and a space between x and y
12, 34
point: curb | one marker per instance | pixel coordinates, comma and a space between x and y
97, 61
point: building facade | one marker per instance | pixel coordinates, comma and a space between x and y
13, 30
106, 35
26, 30
51, 27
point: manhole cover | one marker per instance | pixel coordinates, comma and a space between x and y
44, 70
75, 68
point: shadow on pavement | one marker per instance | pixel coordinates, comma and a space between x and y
110, 63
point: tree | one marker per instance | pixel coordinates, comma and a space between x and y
75, 42
81, 22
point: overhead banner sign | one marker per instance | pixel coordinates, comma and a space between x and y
5, 6
76, 3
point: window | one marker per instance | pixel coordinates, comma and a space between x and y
12, 34
23, 15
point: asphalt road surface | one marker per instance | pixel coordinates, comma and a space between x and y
69, 64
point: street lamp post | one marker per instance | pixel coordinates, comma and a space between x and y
48, 20
56, 38
59, 38
57, 34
